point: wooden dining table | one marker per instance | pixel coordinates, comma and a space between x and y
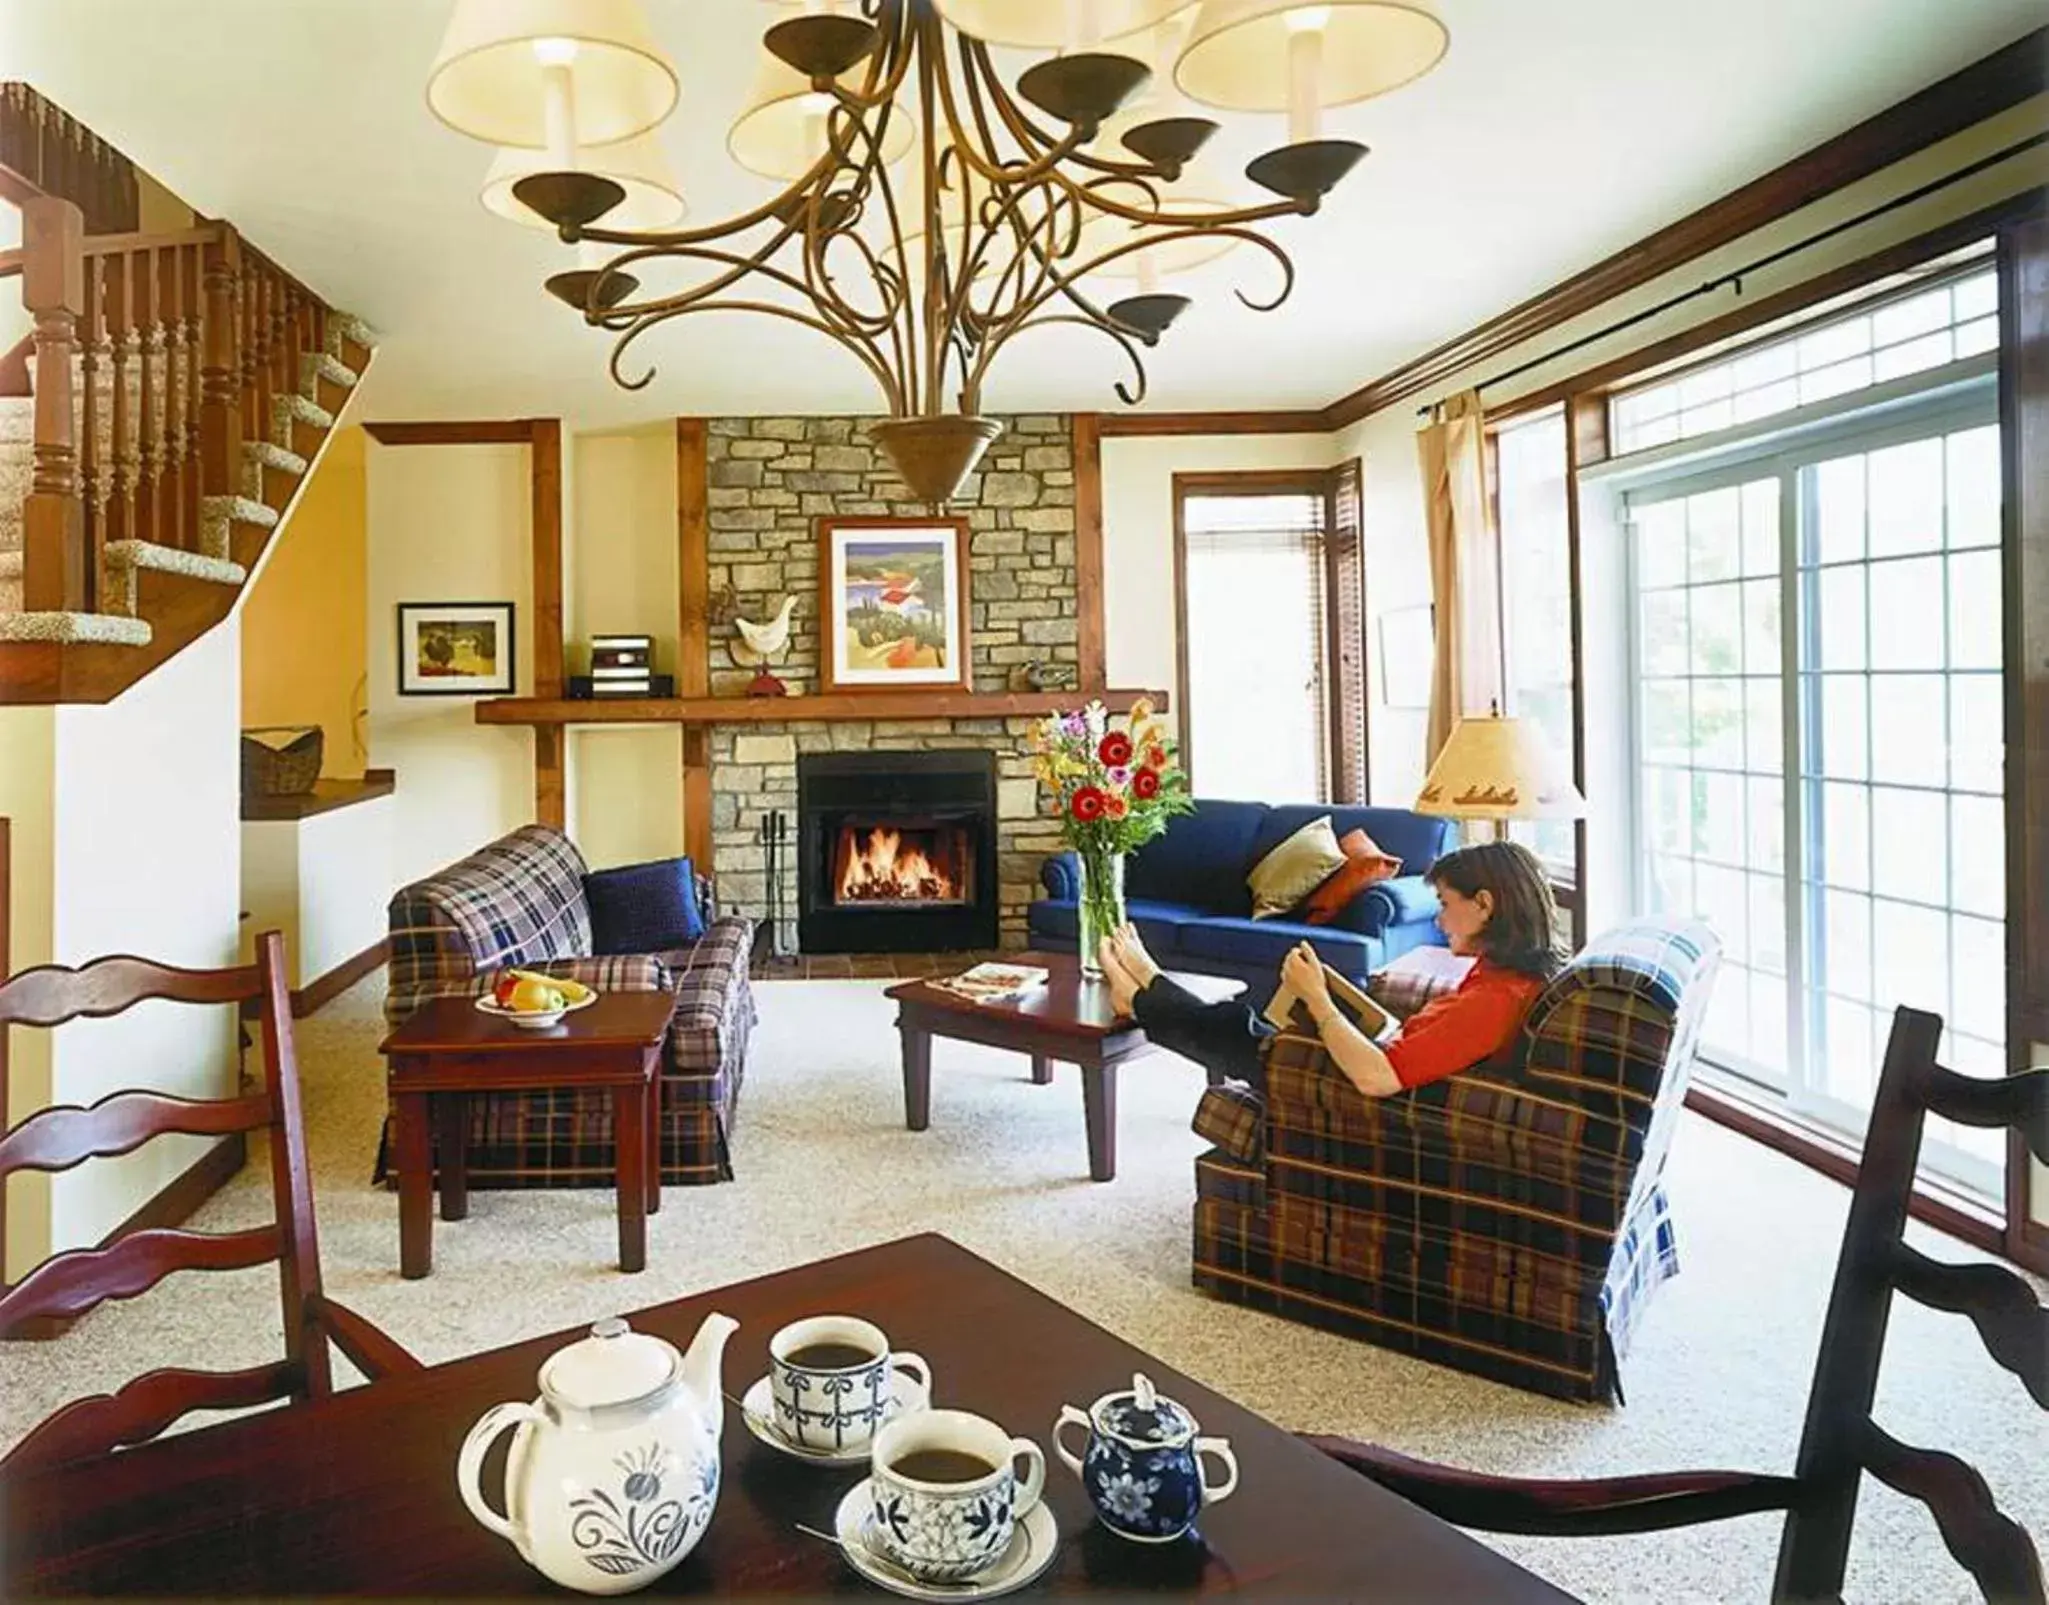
356, 1494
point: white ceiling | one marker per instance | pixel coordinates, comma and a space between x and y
1556, 132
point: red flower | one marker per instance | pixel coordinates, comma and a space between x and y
1145, 784
1156, 757
1115, 750
1118, 806
1088, 804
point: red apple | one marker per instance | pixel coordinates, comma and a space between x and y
501, 992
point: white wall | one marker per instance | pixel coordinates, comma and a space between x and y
623, 559
1138, 535
148, 859
324, 881
28, 747
448, 524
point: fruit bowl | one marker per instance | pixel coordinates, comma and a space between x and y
532, 1019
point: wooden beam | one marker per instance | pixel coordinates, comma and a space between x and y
1088, 550
693, 634
834, 707
1291, 421
546, 472
551, 777
2002, 80
460, 432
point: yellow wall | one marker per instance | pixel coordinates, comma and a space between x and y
303, 646
28, 748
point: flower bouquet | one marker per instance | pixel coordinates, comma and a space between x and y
1116, 791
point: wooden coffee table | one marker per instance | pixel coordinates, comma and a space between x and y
1068, 1018
451, 1048
355, 1494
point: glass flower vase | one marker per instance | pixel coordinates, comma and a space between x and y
1102, 903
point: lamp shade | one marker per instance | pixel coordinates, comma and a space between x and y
492, 78
1053, 24
653, 199
1495, 768
1240, 55
782, 132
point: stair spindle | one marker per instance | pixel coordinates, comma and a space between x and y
93, 481
57, 574
191, 305
171, 332
120, 475
221, 406
149, 346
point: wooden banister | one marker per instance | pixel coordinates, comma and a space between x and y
45, 151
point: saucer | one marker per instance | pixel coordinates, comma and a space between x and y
1031, 1551
757, 1408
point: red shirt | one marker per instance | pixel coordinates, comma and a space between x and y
1465, 1027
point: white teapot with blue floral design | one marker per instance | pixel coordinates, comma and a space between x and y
1142, 1466
614, 1471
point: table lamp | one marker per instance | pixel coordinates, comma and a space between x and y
1498, 769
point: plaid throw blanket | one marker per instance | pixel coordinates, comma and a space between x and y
1507, 1220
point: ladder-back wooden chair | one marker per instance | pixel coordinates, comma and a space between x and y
70, 1284
1839, 1442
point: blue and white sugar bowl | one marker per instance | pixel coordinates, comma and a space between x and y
1142, 1467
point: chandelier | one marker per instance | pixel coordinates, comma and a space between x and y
930, 213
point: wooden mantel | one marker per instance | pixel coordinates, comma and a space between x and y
841, 707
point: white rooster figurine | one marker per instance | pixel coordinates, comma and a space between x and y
761, 644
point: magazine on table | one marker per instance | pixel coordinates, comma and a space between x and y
992, 983
1285, 1008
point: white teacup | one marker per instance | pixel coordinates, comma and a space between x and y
833, 1380
947, 1493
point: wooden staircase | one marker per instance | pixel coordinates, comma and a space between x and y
152, 441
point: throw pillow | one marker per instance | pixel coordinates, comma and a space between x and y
1294, 869
1365, 862
643, 908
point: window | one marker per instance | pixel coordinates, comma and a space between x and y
1254, 634
1536, 604
1818, 713
1949, 314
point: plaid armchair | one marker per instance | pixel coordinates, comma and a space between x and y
1508, 1220
520, 902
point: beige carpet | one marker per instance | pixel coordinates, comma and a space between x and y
1719, 1376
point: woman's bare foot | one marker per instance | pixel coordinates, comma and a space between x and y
1123, 987
1132, 956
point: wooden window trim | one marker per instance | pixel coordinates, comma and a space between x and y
1345, 700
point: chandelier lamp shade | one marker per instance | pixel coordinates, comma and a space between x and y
931, 209
550, 74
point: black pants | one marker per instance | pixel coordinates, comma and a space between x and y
1224, 1038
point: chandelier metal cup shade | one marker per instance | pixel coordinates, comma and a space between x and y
1008, 213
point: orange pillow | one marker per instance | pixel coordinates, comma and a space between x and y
1364, 864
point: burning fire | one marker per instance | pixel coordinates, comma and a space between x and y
888, 869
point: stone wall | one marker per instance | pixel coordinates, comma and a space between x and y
771, 480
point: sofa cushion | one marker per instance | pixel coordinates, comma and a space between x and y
643, 908
1159, 924
1365, 862
1202, 858
1264, 943
1294, 867
1418, 840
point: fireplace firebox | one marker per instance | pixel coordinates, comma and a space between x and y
896, 851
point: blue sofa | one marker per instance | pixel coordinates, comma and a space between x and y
1187, 895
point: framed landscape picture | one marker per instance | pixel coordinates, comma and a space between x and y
455, 649
893, 604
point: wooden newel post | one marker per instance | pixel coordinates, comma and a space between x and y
55, 574
220, 374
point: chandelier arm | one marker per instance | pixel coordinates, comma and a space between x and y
1037, 161
1131, 397
891, 391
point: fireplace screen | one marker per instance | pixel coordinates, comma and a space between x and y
897, 864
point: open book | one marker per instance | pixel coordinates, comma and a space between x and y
1286, 1009
991, 983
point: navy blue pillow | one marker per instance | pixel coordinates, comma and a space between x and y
643, 908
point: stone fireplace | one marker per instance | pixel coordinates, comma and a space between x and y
896, 852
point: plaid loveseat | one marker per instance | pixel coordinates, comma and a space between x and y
520, 902
1508, 1220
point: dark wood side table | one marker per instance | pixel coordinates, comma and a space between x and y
1069, 1018
451, 1048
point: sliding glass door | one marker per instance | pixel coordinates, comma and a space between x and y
1818, 632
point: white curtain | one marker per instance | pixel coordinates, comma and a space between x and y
1465, 568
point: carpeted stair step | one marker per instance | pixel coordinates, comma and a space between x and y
315, 366
218, 516
62, 629
10, 582
346, 327
289, 414
127, 561
261, 455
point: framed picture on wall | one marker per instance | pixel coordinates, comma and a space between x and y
1407, 643
893, 604
455, 649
